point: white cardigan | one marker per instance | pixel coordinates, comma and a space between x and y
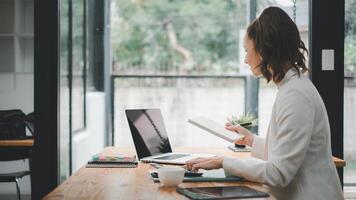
295, 160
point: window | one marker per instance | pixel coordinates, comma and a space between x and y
179, 56
268, 92
186, 58
79, 62
350, 94
72, 78
64, 122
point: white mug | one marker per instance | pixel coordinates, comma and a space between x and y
171, 176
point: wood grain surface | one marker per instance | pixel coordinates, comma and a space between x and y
17, 143
135, 183
130, 183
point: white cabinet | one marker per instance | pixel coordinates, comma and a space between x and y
16, 36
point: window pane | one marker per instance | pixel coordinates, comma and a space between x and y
64, 92
179, 99
178, 38
78, 60
187, 37
350, 93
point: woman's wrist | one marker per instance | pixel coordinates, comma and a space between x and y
249, 139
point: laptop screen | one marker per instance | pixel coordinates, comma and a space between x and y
148, 132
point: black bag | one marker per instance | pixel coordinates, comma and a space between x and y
12, 124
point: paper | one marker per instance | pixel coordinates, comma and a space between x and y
215, 128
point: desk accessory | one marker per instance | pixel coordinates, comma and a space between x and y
187, 173
221, 192
171, 176
235, 148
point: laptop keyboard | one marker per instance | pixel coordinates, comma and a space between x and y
172, 157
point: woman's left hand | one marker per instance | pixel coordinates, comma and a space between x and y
248, 136
204, 163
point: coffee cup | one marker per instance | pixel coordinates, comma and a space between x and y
171, 176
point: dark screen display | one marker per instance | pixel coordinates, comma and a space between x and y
148, 132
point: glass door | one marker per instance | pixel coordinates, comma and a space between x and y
78, 97
64, 90
350, 94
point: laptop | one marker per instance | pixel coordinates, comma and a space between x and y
151, 140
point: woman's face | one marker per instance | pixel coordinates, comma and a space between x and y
253, 58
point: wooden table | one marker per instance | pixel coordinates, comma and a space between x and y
130, 183
135, 183
339, 162
16, 143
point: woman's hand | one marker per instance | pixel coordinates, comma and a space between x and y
204, 163
248, 136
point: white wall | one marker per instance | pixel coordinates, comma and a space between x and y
92, 140
16, 91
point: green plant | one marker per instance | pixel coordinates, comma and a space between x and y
248, 118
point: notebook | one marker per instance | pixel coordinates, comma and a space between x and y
112, 161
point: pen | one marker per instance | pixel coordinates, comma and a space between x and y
245, 124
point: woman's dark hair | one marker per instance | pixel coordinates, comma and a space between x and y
277, 40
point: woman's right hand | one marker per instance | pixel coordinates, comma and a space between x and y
248, 136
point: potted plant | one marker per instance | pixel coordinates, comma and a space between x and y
248, 119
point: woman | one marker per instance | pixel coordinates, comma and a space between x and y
295, 159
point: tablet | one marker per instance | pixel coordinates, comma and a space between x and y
224, 192
215, 128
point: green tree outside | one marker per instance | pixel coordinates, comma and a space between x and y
177, 36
